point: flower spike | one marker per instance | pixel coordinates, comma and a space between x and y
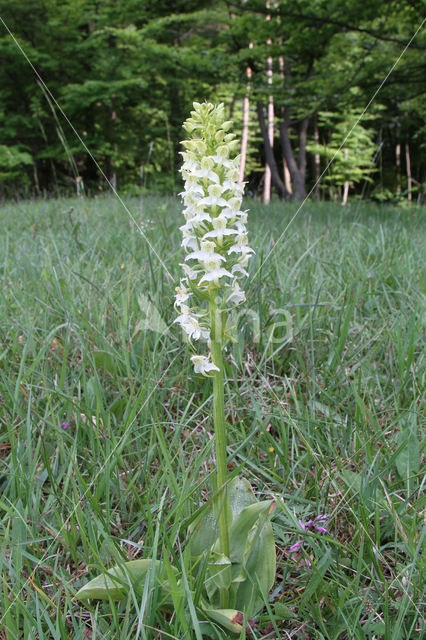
214, 236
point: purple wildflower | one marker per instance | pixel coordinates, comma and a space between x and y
317, 525
65, 425
319, 521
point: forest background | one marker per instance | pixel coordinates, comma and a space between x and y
105, 430
296, 78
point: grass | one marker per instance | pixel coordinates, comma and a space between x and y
324, 413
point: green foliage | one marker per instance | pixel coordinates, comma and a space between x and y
114, 584
350, 149
11, 160
322, 420
126, 74
248, 574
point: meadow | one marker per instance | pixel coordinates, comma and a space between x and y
106, 435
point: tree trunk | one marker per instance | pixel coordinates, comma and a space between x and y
244, 138
287, 177
297, 170
345, 192
267, 179
317, 160
269, 154
245, 131
347, 183
409, 178
398, 167
286, 172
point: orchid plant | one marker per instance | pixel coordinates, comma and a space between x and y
232, 536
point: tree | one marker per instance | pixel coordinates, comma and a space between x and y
126, 74
317, 74
349, 152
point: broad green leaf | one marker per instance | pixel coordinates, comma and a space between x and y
230, 619
219, 572
204, 533
240, 495
241, 528
259, 562
105, 360
252, 549
408, 459
115, 583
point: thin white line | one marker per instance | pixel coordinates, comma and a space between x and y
154, 251
335, 154
83, 495
52, 97
311, 451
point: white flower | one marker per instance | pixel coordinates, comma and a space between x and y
233, 174
206, 173
207, 256
241, 248
242, 216
182, 294
220, 229
189, 323
223, 162
196, 214
243, 259
236, 189
191, 198
214, 275
214, 199
191, 274
189, 241
193, 188
229, 214
238, 268
237, 294
234, 204
214, 234
188, 166
203, 364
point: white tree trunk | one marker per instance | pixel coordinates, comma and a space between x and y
409, 178
245, 130
398, 167
267, 179
345, 193
346, 185
317, 160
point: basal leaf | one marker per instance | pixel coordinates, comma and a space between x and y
259, 562
242, 525
230, 619
240, 495
116, 582
204, 532
219, 574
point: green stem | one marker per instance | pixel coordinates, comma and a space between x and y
221, 502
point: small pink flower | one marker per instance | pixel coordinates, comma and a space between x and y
65, 425
315, 524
